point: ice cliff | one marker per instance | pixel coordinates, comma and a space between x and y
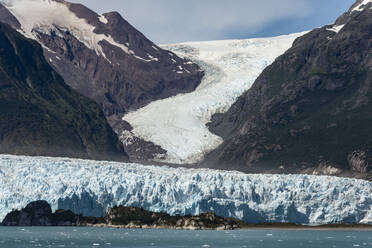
91, 188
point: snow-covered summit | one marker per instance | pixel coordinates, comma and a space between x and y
91, 187
231, 67
103, 57
52, 16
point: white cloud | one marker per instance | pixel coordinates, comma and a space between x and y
166, 21
184, 20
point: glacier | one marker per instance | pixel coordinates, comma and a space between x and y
92, 187
231, 67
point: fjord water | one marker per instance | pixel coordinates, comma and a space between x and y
71, 237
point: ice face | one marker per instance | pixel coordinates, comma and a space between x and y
231, 67
92, 187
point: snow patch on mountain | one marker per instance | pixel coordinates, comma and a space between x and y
103, 19
92, 187
178, 124
51, 16
361, 6
336, 28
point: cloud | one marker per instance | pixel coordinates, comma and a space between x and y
168, 21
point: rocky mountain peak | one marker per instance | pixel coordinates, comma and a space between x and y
122, 68
37, 213
356, 9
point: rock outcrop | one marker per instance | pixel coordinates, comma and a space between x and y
311, 110
39, 213
131, 217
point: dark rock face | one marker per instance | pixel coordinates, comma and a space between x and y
310, 110
360, 162
39, 213
36, 213
40, 115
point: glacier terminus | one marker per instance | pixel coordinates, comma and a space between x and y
92, 187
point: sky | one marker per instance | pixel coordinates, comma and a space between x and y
174, 21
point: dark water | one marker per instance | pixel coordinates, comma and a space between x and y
102, 238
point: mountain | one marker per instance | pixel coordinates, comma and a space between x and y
103, 57
311, 110
96, 186
40, 114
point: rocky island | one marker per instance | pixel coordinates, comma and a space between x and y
39, 213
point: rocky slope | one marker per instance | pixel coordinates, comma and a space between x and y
40, 114
311, 110
39, 213
104, 58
